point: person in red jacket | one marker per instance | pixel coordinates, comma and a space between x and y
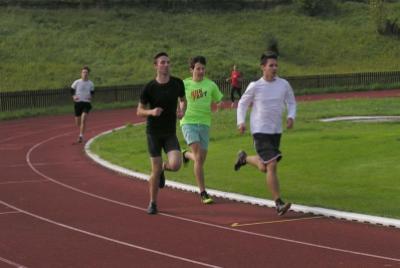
235, 79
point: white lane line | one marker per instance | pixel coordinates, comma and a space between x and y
236, 224
82, 231
44, 164
21, 182
29, 134
9, 148
28, 155
12, 263
107, 238
13, 166
9, 212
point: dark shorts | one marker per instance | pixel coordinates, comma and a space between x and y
167, 142
238, 90
267, 146
82, 107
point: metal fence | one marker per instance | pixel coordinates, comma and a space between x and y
12, 101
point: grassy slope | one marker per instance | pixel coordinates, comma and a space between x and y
46, 48
345, 166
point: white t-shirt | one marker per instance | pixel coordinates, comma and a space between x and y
269, 100
83, 89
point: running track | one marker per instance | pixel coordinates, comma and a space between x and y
59, 209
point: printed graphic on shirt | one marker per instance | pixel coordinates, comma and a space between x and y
198, 93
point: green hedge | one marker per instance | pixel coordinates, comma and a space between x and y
169, 4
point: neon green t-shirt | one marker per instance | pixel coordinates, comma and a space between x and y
200, 95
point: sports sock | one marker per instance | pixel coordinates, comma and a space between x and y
279, 202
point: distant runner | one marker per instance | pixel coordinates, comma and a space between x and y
82, 91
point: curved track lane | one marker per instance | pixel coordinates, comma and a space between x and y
59, 209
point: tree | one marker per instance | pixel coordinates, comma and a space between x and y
377, 13
383, 25
314, 7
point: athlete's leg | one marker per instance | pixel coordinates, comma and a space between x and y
78, 121
198, 155
232, 94
156, 168
272, 179
256, 161
82, 126
174, 160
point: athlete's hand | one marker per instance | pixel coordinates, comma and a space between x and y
289, 123
219, 106
242, 128
156, 111
75, 98
179, 114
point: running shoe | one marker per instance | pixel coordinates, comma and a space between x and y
205, 198
282, 208
162, 180
152, 209
240, 161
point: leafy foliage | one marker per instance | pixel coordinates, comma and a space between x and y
383, 24
315, 7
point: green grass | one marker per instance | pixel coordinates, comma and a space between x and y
46, 48
343, 165
58, 110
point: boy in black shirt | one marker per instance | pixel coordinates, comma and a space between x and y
159, 103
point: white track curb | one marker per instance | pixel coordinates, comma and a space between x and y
243, 198
392, 118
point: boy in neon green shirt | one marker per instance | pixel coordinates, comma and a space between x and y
200, 93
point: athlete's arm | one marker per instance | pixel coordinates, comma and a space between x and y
73, 92
290, 101
244, 103
180, 110
144, 112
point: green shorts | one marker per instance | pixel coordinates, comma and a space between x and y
196, 133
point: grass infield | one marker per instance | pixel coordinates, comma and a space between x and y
340, 165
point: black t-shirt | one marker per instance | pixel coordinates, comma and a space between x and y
165, 96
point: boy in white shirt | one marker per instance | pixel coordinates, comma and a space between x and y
269, 96
82, 91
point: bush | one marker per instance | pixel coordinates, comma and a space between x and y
377, 13
384, 26
391, 28
314, 7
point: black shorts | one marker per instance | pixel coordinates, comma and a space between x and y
168, 142
82, 107
267, 146
237, 89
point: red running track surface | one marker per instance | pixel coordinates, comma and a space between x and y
59, 209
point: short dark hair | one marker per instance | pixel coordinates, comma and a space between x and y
197, 59
86, 68
159, 54
267, 55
